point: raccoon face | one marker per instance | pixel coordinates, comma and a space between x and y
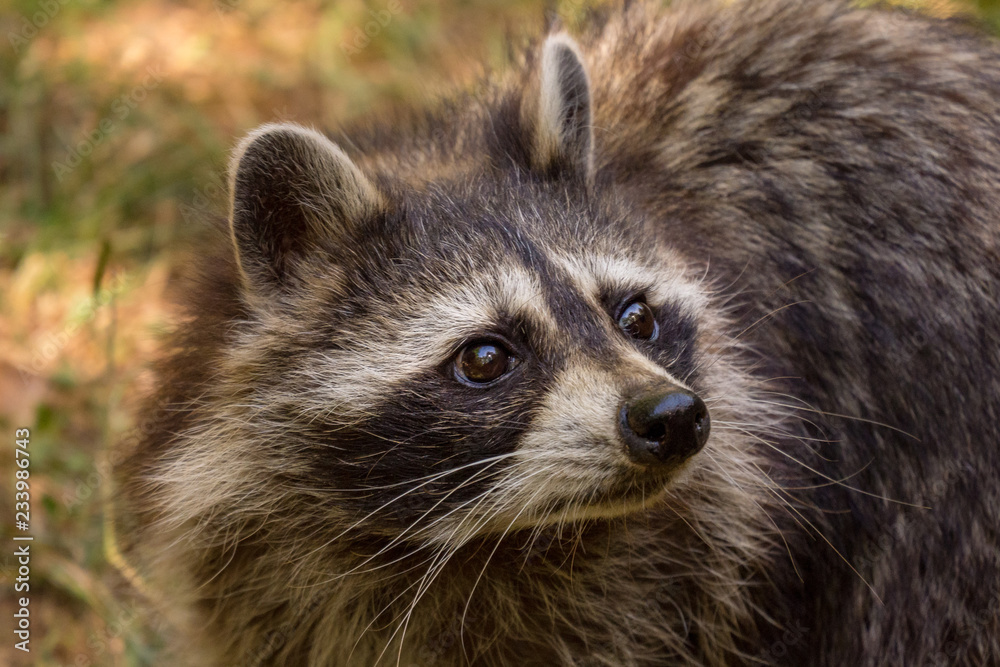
501, 350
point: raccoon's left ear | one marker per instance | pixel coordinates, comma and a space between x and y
295, 196
564, 136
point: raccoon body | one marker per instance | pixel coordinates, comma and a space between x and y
676, 345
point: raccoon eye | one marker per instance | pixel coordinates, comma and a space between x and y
483, 362
637, 321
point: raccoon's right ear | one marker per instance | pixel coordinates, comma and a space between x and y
562, 110
294, 193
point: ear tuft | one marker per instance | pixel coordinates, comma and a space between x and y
564, 132
294, 192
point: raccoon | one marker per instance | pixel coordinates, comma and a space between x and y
678, 343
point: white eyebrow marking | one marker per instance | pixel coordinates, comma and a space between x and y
352, 380
665, 283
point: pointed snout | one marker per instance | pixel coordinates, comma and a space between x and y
663, 425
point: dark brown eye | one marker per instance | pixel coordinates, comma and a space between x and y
637, 321
481, 363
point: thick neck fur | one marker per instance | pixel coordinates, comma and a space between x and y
538, 597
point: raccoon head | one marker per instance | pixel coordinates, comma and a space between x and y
505, 348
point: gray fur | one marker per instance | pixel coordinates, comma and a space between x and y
807, 195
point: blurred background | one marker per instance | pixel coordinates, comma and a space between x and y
115, 121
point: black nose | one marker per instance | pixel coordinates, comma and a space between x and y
664, 427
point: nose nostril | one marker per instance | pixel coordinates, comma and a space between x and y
655, 432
